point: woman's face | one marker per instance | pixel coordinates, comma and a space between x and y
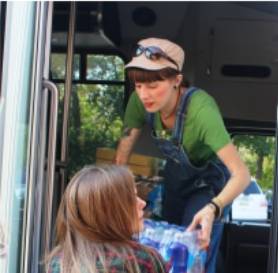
157, 95
140, 212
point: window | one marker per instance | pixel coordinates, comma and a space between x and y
258, 153
96, 104
58, 63
95, 121
15, 127
104, 67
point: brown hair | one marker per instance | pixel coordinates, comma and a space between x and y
143, 75
98, 212
96, 194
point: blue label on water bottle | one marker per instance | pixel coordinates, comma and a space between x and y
179, 257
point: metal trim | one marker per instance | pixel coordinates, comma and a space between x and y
273, 238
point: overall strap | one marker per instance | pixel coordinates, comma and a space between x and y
181, 115
150, 119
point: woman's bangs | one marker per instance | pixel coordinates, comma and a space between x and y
138, 75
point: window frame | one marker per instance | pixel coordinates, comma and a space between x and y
241, 128
83, 52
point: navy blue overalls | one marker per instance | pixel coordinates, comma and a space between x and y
189, 188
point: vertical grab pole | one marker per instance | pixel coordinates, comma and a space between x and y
51, 159
68, 90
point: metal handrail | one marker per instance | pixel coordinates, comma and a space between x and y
48, 85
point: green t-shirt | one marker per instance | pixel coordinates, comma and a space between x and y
204, 131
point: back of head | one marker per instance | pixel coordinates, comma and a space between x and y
99, 205
97, 218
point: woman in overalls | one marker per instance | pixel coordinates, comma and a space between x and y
203, 171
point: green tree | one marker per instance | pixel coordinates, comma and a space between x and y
96, 111
258, 153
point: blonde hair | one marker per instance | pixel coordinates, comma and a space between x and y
98, 212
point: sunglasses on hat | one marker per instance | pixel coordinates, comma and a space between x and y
153, 53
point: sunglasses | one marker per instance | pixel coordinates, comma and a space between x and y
153, 53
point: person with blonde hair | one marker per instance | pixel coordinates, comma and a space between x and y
98, 217
203, 171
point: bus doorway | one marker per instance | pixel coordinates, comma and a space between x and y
82, 48
231, 76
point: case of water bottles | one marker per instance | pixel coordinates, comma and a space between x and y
179, 248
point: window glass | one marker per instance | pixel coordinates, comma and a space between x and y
95, 121
258, 152
58, 66
96, 110
104, 67
14, 130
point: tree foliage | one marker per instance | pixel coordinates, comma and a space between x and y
96, 110
258, 153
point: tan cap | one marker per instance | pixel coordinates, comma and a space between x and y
171, 49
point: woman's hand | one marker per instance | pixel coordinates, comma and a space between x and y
204, 218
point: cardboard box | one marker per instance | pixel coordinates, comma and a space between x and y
138, 164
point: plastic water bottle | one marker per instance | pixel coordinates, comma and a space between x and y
157, 208
199, 263
197, 257
159, 233
149, 223
148, 238
177, 246
192, 245
165, 244
179, 254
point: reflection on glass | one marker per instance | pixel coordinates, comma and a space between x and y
96, 119
14, 131
3, 243
103, 67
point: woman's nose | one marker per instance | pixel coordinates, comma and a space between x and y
141, 203
143, 92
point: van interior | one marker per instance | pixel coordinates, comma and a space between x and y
231, 52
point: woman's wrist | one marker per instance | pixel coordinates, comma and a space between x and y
218, 205
219, 202
212, 209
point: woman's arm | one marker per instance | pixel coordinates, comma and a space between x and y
240, 177
239, 180
126, 144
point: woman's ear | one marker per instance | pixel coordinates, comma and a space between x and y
178, 79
